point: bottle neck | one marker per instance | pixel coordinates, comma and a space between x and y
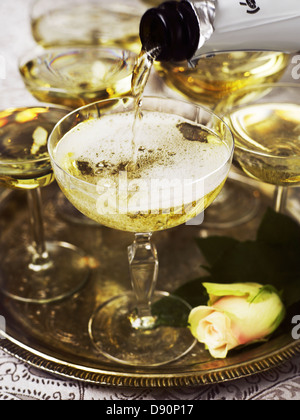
188, 29
173, 28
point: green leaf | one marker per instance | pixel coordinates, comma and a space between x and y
193, 292
246, 263
214, 247
170, 313
272, 259
278, 229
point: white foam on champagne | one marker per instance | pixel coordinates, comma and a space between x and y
166, 159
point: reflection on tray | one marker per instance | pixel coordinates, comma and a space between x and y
55, 337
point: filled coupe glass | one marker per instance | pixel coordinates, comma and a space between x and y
141, 175
76, 23
211, 80
36, 271
77, 76
265, 121
215, 77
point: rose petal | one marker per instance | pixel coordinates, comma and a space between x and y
251, 321
213, 328
220, 352
196, 315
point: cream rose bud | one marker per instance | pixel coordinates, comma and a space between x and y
237, 314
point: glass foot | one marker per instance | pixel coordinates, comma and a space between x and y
236, 204
62, 274
114, 330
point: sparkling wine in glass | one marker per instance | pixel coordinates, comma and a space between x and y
41, 271
265, 121
180, 163
92, 22
215, 77
211, 80
74, 77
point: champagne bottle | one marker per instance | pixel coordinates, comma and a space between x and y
188, 29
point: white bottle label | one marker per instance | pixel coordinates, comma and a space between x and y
254, 25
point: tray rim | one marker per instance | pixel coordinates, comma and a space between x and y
71, 371
57, 365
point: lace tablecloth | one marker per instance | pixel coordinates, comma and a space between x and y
19, 381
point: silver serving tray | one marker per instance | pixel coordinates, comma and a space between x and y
54, 337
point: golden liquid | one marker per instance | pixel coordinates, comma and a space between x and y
79, 78
140, 77
217, 76
141, 74
268, 141
86, 25
24, 160
135, 204
153, 221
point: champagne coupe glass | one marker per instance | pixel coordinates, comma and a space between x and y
211, 80
265, 121
39, 272
163, 175
77, 76
92, 22
215, 77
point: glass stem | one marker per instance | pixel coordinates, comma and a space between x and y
40, 257
280, 199
143, 263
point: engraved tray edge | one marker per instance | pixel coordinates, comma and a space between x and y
56, 364
93, 376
